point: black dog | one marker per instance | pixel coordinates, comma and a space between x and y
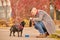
15, 29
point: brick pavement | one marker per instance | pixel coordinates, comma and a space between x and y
4, 35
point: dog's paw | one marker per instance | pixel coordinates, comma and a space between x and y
14, 35
20, 35
9, 35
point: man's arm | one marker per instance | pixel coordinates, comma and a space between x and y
40, 17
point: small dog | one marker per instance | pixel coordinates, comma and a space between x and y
15, 28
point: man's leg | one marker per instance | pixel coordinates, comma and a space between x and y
43, 26
45, 30
40, 29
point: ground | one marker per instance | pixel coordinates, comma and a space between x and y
4, 34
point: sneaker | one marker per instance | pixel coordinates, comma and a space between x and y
41, 36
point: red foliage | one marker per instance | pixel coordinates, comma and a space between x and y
23, 6
57, 4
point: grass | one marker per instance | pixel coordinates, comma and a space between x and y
56, 36
58, 31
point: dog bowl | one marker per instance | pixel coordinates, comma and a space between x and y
27, 35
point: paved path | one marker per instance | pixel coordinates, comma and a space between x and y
4, 35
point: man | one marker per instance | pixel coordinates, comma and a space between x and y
43, 22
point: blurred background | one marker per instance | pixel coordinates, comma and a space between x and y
10, 10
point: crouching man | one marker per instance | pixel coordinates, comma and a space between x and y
43, 23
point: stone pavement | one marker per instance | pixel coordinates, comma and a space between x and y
4, 34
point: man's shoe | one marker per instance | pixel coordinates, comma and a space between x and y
41, 36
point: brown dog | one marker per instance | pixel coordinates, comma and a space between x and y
17, 29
